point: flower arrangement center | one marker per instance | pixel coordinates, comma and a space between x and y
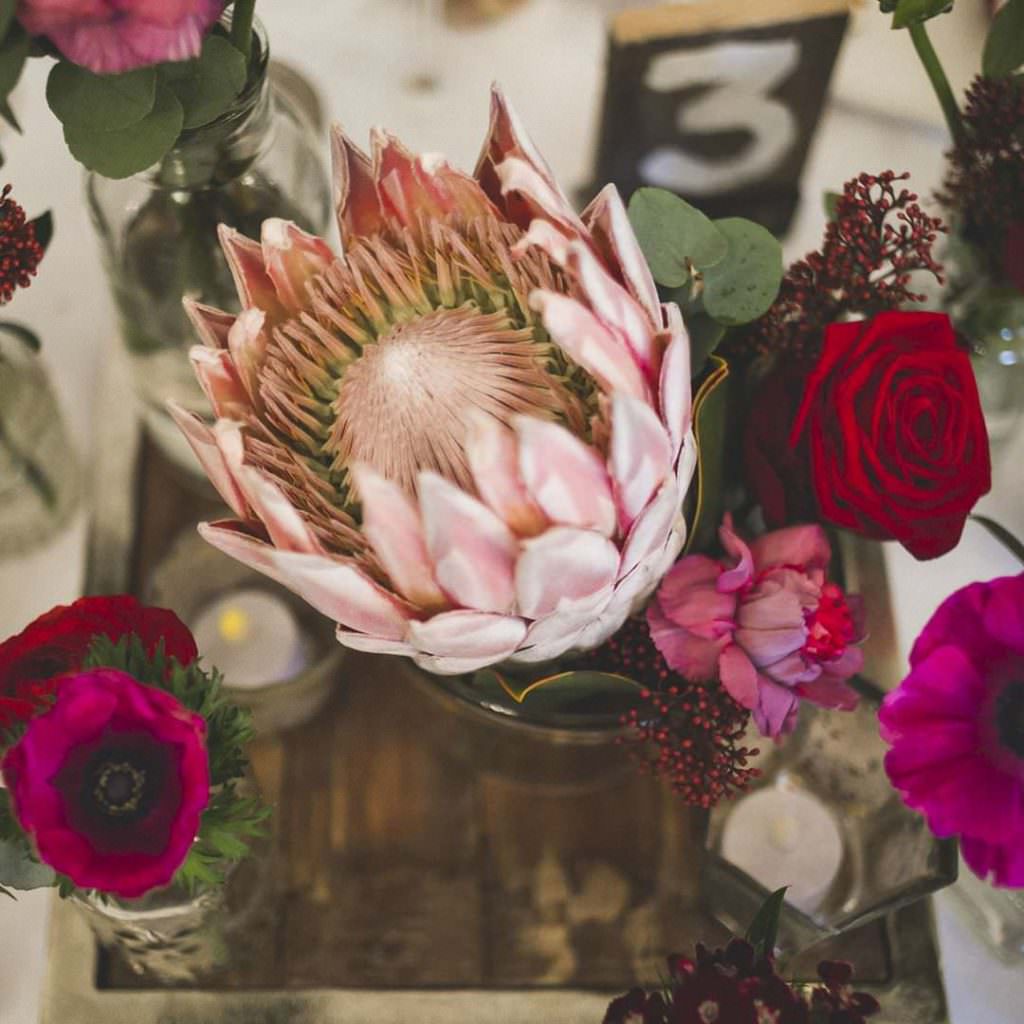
120, 788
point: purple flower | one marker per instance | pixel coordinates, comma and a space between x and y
111, 783
956, 727
111, 36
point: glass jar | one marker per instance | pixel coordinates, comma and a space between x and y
158, 229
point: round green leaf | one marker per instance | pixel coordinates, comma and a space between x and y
122, 153
208, 85
673, 235
744, 285
1004, 47
13, 54
84, 102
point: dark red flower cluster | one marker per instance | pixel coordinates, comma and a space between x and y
689, 733
20, 250
734, 986
878, 237
984, 188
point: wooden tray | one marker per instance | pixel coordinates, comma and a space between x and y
426, 866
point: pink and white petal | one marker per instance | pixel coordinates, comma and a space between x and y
562, 567
804, 546
292, 258
245, 260
392, 524
215, 370
579, 333
461, 193
739, 676
473, 551
406, 193
442, 665
641, 456
373, 644
355, 194
543, 235
543, 198
675, 392
566, 477
468, 634
494, 460
617, 309
606, 625
608, 223
334, 587
506, 136
659, 527
212, 325
735, 547
202, 441
550, 637
247, 343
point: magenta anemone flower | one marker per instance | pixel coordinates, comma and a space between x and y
111, 36
468, 438
767, 623
110, 783
956, 727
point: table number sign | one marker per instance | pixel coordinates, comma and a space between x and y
717, 101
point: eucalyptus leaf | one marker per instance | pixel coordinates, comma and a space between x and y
7, 8
745, 284
13, 54
673, 235
122, 153
86, 103
709, 418
764, 929
705, 334
1004, 47
19, 871
208, 85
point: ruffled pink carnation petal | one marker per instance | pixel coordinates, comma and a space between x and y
739, 676
692, 656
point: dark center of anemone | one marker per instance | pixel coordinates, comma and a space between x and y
1009, 717
119, 788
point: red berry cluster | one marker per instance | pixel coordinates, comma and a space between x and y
878, 237
687, 732
20, 251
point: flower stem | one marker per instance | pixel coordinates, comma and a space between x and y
937, 75
241, 26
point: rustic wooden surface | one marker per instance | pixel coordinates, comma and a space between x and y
418, 846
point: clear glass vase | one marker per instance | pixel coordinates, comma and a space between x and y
158, 229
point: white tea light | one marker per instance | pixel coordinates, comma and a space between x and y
253, 637
785, 837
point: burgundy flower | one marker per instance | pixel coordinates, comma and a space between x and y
58, 642
956, 727
111, 782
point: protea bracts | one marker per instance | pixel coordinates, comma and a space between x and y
468, 438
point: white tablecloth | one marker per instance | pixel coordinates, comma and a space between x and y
547, 57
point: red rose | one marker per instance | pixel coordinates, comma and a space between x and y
58, 641
894, 431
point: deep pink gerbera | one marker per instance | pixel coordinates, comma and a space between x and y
111, 36
110, 784
956, 727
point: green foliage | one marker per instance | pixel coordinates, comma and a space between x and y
7, 9
28, 338
830, 202
743, 286
910, 12
705, 334
764, 929
208, 85
86, 103
1004, 47
19, 867
1012, 543
13, 54
44, 229
676, 238
705, 502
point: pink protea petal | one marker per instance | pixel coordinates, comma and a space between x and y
608, 223
738, 675
202, 441
247, 342
565, 477
373, 644
334, 587
220, 382
674, 391
660, 527
212, 325
561, 567
391, 522
641, 456
578, 332
468, 634
473, 551
245, 260
355, 193
494, 460
543, 235
461, 193
292, 258
806, 546
542, 198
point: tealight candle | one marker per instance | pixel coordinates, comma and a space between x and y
253, 637
785, 837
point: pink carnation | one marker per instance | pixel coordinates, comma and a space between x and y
768, 625
956, 727
110, 784
111, 36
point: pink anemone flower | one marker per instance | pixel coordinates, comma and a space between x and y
956, 727
768, 624
467, 438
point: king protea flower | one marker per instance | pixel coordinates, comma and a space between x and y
468, 438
